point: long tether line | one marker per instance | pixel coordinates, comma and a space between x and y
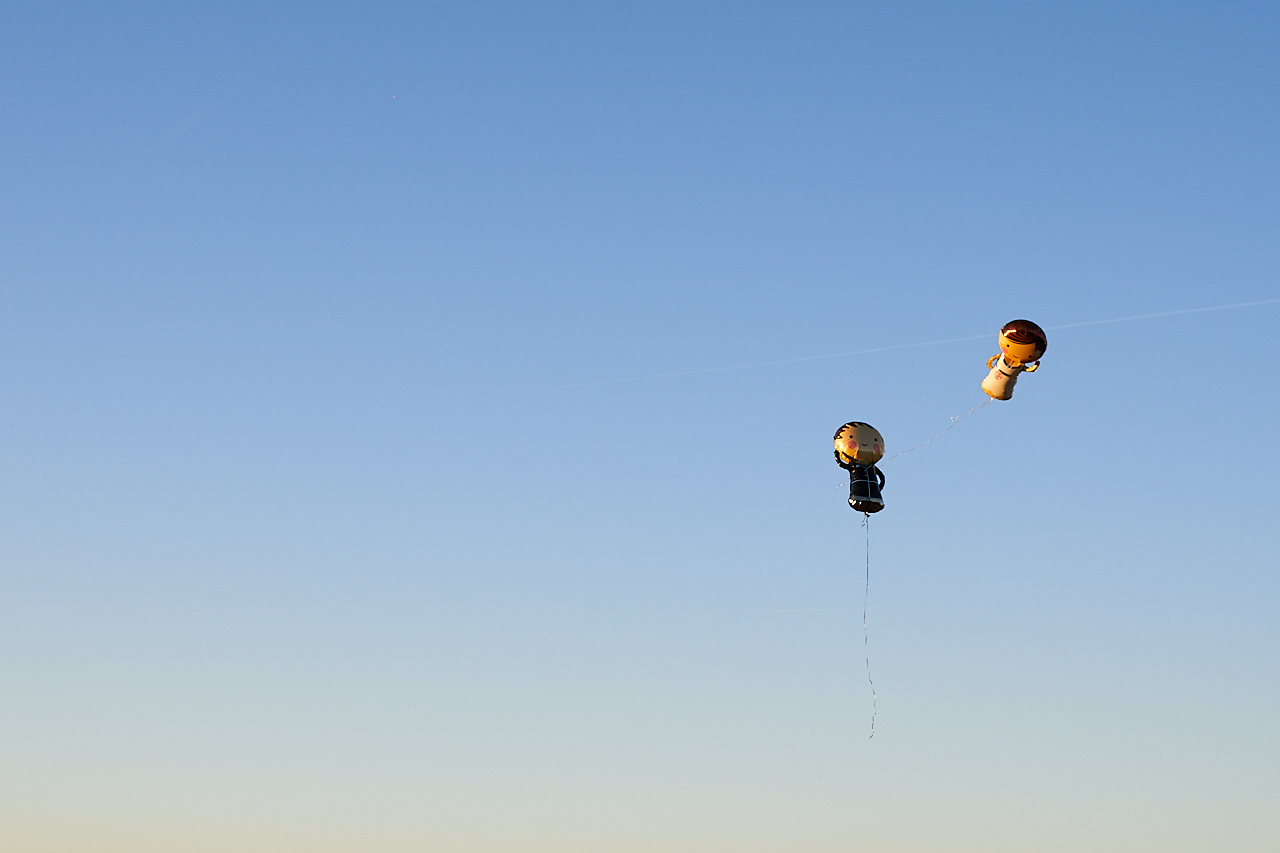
955, 420
866, 646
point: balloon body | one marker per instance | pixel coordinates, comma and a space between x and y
865, 483
1000, 381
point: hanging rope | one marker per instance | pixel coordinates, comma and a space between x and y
866, 647
955, 420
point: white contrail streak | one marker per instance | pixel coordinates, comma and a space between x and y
1165, 314
705, 370
757, 364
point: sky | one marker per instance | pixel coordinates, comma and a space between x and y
415, 427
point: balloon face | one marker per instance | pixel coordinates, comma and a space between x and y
859, 442
1022, 341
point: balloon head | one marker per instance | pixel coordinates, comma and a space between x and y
859, 442
1022, 342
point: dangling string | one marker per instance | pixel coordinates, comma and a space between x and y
955, 420
866, 648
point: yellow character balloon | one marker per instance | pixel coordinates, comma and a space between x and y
859, 446
1022, 343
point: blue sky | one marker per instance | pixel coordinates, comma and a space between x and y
409, 442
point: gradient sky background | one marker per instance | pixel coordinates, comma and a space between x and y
308, 547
